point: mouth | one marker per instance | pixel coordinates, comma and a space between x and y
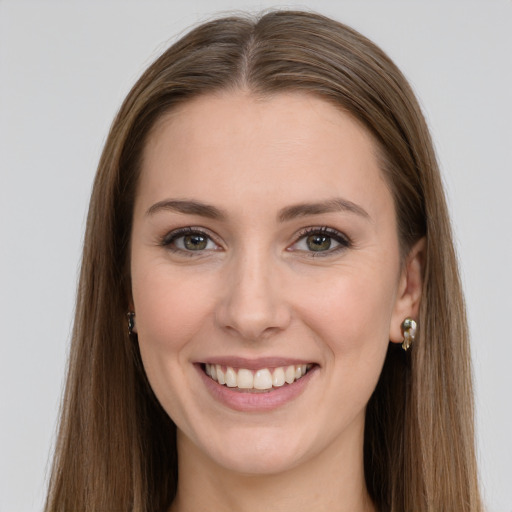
262, 380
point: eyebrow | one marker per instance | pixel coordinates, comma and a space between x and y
286, 214
187, 207
329, 206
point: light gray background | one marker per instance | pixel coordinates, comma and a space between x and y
65, 67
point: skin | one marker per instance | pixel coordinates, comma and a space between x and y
258, 290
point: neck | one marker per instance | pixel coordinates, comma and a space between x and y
332, 480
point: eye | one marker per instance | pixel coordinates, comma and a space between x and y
320, 240
189, 240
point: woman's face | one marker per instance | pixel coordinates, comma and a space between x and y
264, 246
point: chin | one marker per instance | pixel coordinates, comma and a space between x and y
259, 459
254, 450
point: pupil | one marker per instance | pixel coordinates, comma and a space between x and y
319, 242
195, 242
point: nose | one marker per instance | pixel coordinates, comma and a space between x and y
253, 304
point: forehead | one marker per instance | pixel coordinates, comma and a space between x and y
289, 147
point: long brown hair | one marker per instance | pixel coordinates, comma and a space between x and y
116, 446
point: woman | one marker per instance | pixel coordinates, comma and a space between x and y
268, 214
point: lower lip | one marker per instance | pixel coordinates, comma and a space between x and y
256, 402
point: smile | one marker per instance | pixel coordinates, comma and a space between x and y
264, 379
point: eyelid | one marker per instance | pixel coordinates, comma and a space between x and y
342, 239
168, 239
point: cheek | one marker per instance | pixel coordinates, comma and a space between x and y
354, 309
170, 312
169, 308
350, 316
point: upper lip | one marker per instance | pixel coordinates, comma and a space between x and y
255, 364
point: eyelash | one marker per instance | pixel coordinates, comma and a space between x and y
344, 242
169, 239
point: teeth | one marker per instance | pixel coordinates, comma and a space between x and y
230, 378
245, 380
278, 377
289, 374
220, 375
260, 379
263, 379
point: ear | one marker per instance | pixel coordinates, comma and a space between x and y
407, 303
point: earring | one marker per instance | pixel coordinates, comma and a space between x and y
131, 322
408, 332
